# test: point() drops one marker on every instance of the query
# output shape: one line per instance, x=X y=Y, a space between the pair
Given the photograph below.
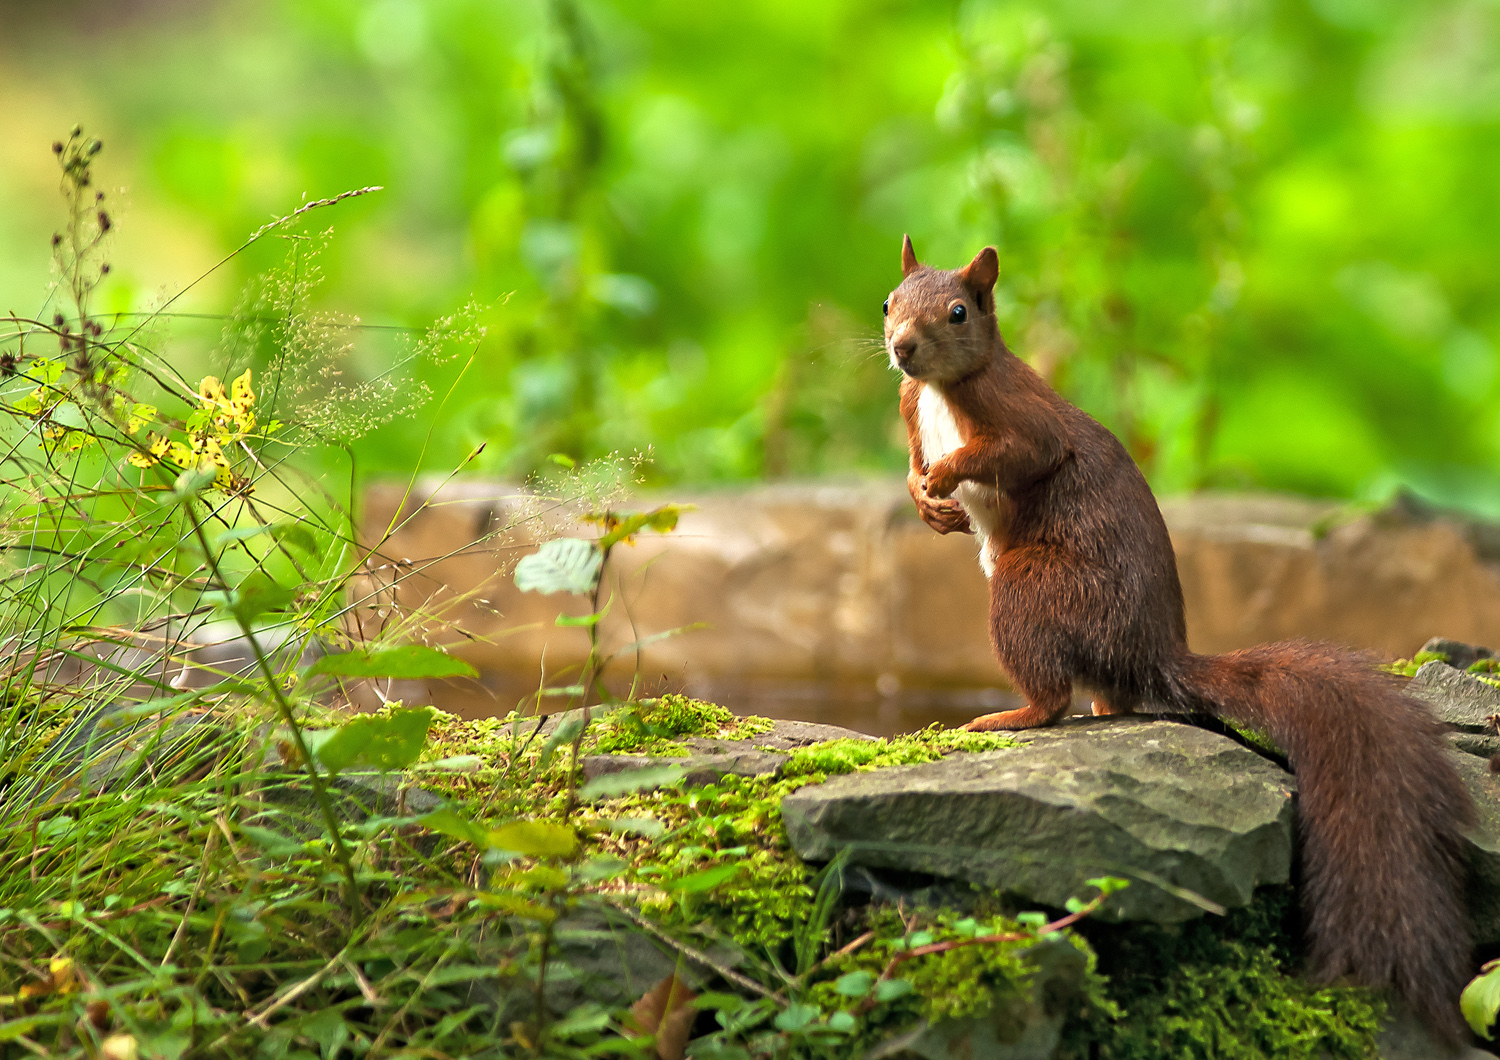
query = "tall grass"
x=179 y=879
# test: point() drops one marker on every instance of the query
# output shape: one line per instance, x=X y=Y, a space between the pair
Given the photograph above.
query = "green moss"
x=1409 y=667
x=1259 y=739
x=652 y=726
x=737 y=821
x=928 y=745
x=1220 y=989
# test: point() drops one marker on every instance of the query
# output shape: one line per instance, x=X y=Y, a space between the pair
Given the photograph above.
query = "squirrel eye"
x=885 y=307
x=958 y=314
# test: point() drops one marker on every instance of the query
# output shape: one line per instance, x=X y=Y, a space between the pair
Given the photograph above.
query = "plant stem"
x=320 y=790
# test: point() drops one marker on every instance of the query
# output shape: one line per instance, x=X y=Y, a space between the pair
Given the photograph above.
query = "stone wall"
x=841 y=582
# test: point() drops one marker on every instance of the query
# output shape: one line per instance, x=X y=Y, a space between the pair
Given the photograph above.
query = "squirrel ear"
x=980 y=274
x=908 y=257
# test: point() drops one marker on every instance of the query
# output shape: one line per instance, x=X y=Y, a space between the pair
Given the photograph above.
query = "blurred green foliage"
x=1256 y=238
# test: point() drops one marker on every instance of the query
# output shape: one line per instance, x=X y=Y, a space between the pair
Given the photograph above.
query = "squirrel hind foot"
x=1102 y=707
x=1027 y=717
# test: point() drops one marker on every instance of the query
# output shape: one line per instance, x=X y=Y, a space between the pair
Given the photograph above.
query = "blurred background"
x=1256 y=238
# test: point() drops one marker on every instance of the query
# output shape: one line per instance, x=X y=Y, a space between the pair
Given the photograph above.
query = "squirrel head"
x=940 y=323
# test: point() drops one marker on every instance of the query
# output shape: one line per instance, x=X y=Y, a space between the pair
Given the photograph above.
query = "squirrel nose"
x=903 y=349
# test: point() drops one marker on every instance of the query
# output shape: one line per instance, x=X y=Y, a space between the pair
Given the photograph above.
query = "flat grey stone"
x=1179 y=811
x=1483 y=891
x=293 y=810
x=1457 y=698
x=608 y=961
x=1461 y=656
x=1471 y=743
x=1404 y=1038
x=784 y=736
x=701 y=769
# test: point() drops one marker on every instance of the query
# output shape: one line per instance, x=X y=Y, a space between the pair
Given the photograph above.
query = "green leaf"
x=515 y=905
x=295 y=534
x=1032 y=920
x=258 y=594
x=649 y=827
x=383 y=743
x=566 y=732
x=455 y=764
x=410 y=661
x=190 y=483
x=588 y=1018
x=328 y=1029
x=630 y=781
x=1480 y=1001
x=535 y=839
x=450 y=822
x=601 y=867
x=579 y=620
x=270 y=840
x=844 y=1022
x=729 y=1003
x=854 y=984
x=1108 y=884
x=702 y=881
x=459 y=973
x=562 y=460
x=626 y=525
x=796 y=1016
x=891 y=989
x=12 y=1029
x=563 y=565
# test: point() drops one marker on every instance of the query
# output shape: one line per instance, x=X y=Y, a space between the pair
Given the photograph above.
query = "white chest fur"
x=939 y=434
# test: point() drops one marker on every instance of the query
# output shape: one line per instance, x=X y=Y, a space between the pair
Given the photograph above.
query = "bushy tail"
x=1381 y=811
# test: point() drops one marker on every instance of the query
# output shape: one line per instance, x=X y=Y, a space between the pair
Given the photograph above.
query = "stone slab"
x=1483 y=892
x=700 y=769
x=1178 y=810
x=1461 y=656
x=1457 y=698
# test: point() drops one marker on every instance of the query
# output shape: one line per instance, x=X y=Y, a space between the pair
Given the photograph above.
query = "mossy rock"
x=1193 y=819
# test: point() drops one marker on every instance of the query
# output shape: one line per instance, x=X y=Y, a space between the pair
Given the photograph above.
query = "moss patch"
x=1220 y=988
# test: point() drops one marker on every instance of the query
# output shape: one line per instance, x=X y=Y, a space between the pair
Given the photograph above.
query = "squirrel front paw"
x=944 y=516
x=940 y=480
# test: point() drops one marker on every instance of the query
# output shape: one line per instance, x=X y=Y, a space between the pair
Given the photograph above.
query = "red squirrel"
x=1083 y=587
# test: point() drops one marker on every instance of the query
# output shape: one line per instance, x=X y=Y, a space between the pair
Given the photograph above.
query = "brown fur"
x=1085 y=588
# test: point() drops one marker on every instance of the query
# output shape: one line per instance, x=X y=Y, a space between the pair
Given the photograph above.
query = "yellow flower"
x=139 y=417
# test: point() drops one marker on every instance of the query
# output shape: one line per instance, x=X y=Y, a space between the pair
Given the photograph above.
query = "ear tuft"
x=980 y=274
x=908 y=257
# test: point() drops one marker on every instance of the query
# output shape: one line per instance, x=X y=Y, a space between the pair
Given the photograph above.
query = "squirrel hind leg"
x=1042 y=709
x=1114 y=704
